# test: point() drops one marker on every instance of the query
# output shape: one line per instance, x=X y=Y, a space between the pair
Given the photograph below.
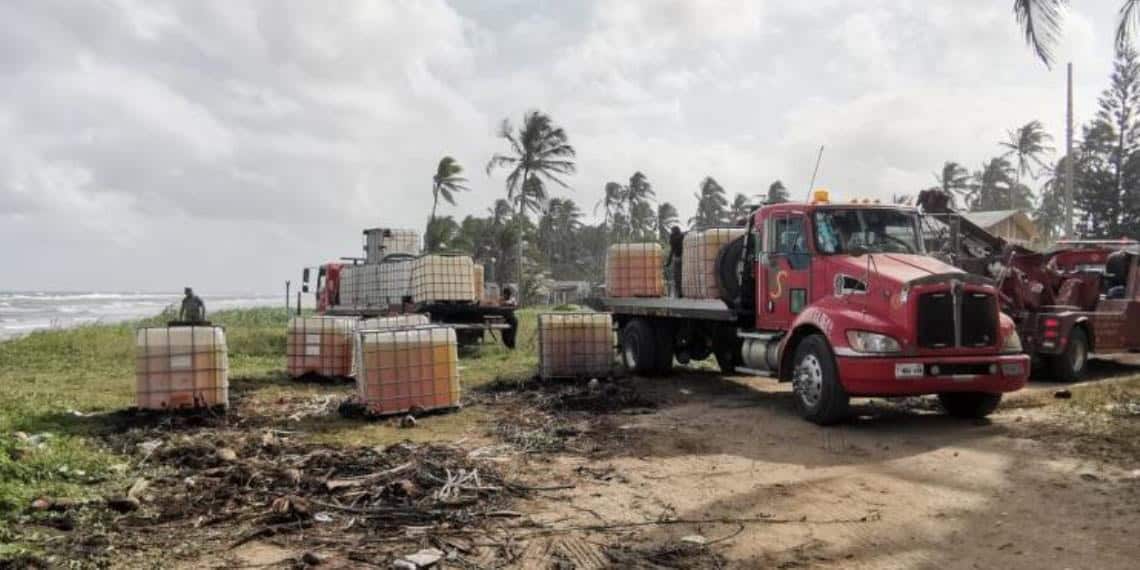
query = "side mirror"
x=857 y=251
x=305 y=278
x=305 y=288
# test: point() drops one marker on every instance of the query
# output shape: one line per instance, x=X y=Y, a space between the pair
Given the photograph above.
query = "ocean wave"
x=22 y=312
x=58 y=297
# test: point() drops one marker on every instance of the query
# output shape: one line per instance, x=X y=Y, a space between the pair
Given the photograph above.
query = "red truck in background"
x=841 y=301
x=1079 y=299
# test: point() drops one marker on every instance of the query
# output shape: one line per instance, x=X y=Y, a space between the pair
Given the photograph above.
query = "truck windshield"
x=874 y=230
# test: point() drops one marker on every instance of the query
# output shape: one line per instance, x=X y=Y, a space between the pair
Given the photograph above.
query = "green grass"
x=51 y=377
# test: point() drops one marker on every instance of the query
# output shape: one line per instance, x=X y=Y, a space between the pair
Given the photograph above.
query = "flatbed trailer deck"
x=669 y=307
x=469 y=320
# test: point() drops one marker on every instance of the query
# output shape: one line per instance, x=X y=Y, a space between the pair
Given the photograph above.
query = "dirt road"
x=689 y=471
x=899 y=487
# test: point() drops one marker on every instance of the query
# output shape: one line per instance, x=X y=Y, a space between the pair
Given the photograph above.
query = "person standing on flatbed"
x=676 y=249
x=193 y=309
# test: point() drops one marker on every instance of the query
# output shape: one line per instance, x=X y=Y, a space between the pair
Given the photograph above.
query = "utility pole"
x=1069 y=159
x=287 y=296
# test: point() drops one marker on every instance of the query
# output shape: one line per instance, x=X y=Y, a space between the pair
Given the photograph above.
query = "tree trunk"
x=522 y=205
x=1016 y=184
x=427 y=234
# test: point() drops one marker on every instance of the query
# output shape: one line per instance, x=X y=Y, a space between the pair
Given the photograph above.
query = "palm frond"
x=1040 y=21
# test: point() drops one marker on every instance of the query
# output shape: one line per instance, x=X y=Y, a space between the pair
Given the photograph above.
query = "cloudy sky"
x=147 y=144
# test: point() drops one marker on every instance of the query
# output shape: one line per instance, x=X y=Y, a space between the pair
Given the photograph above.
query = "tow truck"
x=841 y=301
x=1078 y=299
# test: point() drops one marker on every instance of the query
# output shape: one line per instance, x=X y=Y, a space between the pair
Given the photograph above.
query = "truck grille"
x=979 y=328
x=974 y=325
x=936 y=320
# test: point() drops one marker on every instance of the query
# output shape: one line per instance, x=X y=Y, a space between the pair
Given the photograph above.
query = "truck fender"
x=789 y=344
x=829 y=318
x=1082 y=322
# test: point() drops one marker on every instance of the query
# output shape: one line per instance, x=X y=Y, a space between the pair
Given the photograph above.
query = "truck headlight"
x=872 y=343
x=1011 y=344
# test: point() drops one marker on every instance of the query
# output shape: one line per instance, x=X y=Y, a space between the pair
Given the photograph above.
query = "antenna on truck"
x=811 y=184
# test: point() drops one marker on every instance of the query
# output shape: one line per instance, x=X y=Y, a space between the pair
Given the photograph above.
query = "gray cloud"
x=144 y=144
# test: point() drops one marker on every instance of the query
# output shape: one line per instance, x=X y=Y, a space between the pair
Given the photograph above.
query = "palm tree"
x=445 y=183
x=1041 y=23
x=642 y=224
x=954 y=179
x=711 y=204
x=992 y=186
x=500 y=211
x=666 y=219
x=1050 y=215
x=539 y=151
x=611 y=202
x=739 y=207
x=1026 y=145
x=442 y=232
x=777 y=193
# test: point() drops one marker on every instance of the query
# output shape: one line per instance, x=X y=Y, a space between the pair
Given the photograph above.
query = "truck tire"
x=727 y=353
x=727 y=262
x=639 y=344
x=969 y=404
x=1069 y=366
x=819 y=396
x=665 y=352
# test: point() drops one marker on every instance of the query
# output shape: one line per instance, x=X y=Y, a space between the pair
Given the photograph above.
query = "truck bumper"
x=901 y=376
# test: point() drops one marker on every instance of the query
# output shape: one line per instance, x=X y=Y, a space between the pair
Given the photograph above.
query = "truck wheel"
x=726 y=362
x=820 y=397
x=639 y=345
x=1069 y=366
x=665 y=353
x=969 y=404
x=728 y=354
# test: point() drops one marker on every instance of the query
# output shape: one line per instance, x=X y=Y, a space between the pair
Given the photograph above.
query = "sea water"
x=22 y=312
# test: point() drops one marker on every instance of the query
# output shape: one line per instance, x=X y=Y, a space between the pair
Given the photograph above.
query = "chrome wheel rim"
x=630 y=359
x=807 y=380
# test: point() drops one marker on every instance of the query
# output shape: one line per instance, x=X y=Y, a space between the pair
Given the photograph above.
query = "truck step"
x=765 y=336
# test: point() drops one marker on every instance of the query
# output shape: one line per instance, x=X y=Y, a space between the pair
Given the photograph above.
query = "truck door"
x=785 y=271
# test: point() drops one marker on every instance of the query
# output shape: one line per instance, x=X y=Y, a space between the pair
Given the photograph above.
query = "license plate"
x=909 y=370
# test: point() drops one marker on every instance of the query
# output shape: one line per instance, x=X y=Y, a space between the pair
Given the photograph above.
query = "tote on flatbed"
x=699 y=276
x=634 y=270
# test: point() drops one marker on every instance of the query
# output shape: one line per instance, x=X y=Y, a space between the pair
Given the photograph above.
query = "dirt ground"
x=689 y=471
x=896 y=488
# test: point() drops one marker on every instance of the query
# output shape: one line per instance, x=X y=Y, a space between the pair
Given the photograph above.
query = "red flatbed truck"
x=841 y=301
x=471 y=321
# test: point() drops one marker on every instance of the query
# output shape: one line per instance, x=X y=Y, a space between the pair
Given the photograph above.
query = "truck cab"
x=841 y=300
x=327 y=285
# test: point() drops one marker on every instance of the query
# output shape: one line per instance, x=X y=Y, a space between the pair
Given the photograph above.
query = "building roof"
x=987 y=220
